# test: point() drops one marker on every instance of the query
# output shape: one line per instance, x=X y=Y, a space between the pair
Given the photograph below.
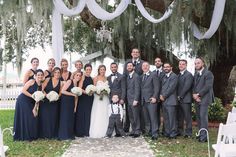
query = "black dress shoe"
x=117 y=135
x=131 y=134
x=172 y=137
x=187 y=136
x=136 y=135
x=154 y=138
x=202 y=140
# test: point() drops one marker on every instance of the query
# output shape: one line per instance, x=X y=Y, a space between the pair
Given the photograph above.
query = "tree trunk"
x=222 y=87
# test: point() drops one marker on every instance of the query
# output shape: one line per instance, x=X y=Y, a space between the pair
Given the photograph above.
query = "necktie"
x=158 y=72
x=144 y=77
x=198 y=76
x=135 y=63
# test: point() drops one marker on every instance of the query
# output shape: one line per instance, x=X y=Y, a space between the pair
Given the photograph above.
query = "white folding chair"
x=2 y=149
x=226 y=141
x=234 y=110
x=231 y=118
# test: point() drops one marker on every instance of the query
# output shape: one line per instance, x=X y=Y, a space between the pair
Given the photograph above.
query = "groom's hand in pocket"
x=135 y=103
x=121 y=101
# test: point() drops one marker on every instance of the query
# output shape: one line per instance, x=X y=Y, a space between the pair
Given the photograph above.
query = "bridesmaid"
x=82 y=120
x=51 y=65
x=49 y=111
x=66 y=75
x=30 y=73
x=67 y=109
x=25 y=124
x=78 y=66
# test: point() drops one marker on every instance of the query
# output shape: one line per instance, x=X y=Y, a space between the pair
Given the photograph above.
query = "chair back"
x=234 y=110
x=231 y=118
x=227 y=134
x=2 y=152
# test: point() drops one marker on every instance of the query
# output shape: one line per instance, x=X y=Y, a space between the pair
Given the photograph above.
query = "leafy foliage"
x=216 y=111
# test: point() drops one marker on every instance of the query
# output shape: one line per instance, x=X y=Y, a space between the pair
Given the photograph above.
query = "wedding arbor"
x=176 y=29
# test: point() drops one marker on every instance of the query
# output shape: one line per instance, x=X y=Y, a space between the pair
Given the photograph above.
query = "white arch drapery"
x=61 y=9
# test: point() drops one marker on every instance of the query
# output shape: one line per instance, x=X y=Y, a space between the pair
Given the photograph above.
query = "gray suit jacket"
x=118 y=86
x=168 y=89
x=160 y=76
x=184 y=87
x=133 y=88
x=204 y=86
x=150 y=87
x=138 y=67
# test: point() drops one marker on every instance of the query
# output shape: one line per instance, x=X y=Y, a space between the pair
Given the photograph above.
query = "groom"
x=117 y=85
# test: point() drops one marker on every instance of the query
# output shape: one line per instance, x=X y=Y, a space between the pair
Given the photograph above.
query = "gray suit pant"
x=169 y=115
x=150 y=118
x=202 y=118
x=184 y=111
x=134 y=117
x=115 y=122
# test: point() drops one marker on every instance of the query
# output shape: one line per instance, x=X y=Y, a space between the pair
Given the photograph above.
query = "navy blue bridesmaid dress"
x=49 y=74
x=49 y=114
x=66 y=122
x=69 y=76
x=83 y=112
x=32 y=76
x=25 y=124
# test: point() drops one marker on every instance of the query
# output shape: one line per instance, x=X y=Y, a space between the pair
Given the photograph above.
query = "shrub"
x=233 y=104
x=216 y=111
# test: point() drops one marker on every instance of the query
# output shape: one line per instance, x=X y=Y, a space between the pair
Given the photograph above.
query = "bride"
x=99 y=113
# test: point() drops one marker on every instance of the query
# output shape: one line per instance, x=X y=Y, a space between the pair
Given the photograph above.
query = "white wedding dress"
x=99 y=114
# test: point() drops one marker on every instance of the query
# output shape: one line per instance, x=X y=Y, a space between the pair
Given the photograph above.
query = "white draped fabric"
x=60 y=8
x=215 y=21
x=144 y=12
x=57 y=31
x=102 y=14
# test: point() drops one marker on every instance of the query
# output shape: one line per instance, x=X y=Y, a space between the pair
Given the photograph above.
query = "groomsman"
x=184 y=93
x=168 y=97
x=203 y=95
x=117 y=83
x=133 y=97
x=160 y=74
x=150 y=87
x=136 y=60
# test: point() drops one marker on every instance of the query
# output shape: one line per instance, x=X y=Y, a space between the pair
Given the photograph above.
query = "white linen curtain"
x=215 y=21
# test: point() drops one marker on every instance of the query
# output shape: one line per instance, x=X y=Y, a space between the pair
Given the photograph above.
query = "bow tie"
x=113 y=74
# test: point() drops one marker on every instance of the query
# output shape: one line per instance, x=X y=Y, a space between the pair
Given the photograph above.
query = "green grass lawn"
x=179 y=147
x=182 y=147
x=39 y=148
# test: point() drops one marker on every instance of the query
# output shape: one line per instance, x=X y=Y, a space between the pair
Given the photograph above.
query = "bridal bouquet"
x=52 y=96
x=103 y=90
x=77 y=91
x=90 y=89
x=38 y=96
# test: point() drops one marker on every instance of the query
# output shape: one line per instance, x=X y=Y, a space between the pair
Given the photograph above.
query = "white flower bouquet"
x=103 y=90
x=38 y=96
x=77 y=91
x=90 y=89
x=52 y=96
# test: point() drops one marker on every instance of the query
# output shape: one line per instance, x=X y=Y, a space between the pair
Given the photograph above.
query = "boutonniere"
x=148 y=73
